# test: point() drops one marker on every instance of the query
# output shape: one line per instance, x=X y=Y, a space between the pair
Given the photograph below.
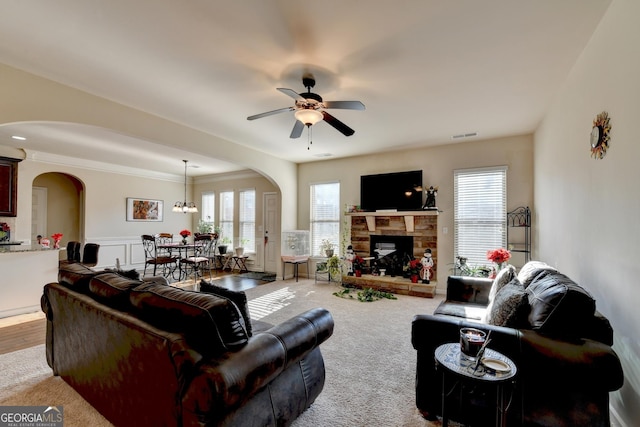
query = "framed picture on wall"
x=144 y=209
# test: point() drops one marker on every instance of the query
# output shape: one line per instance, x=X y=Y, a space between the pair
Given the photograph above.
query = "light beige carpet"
x=369 y=360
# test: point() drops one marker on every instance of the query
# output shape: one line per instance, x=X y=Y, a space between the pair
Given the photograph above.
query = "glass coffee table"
x=458 y=371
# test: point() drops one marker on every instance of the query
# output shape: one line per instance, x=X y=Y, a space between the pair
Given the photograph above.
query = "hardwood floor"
x=26 y=331
x=22 y=335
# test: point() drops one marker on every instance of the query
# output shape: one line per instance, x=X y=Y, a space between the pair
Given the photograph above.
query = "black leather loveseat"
x=148 y=354
x=548 y=326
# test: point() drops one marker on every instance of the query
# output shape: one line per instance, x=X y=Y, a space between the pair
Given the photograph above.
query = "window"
x=247 y=219
x=226 y=216
x=208 y=207
x=325 y=216
x=480 y=208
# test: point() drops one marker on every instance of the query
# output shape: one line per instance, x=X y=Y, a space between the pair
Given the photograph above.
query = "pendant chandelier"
x=183 y=206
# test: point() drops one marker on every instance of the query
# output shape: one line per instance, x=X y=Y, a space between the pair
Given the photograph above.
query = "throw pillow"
x=211 y=324
x=503 y=277
x=239 y=298
x=532 y=271
x=506 y=275
x=510 y=307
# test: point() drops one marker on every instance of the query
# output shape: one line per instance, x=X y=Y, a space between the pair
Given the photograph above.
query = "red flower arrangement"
x=499 y=256
x=56 y=237
x=358 y=262
x=414 y=266
x=185 y=233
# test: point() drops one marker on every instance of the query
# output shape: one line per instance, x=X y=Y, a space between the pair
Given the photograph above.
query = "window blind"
x=247 y=219
x=480 y=207
x=208 y=207
x=325 y=216
x=226 y=215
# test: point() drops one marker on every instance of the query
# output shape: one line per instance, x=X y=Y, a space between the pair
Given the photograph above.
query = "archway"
x=58 y=207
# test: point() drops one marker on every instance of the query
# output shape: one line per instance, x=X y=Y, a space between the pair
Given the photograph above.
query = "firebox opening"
x=391 y=252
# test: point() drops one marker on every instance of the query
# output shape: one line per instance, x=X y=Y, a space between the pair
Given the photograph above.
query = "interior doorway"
x=57 y=207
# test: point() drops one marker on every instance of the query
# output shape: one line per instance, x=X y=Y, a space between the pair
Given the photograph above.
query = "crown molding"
x=55 y=159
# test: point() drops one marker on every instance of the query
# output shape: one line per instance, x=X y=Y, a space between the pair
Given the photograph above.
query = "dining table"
x=182 y=250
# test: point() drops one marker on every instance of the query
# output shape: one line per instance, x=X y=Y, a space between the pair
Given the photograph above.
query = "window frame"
x=318 y=219
x=482 y=227
x=250 y=233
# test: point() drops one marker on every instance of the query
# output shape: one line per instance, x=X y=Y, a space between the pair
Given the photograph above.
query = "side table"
x=295 y=263
x=456 y=368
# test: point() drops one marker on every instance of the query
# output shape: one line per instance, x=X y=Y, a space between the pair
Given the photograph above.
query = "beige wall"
x=587 y=209
x=437 y=165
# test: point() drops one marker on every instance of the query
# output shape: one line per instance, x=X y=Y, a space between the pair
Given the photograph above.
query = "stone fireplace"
x=407 y=232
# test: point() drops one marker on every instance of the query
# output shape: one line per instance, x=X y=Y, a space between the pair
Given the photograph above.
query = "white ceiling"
x=425 y=69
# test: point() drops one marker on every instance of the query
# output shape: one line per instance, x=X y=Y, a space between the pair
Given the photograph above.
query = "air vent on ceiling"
x=464 y=135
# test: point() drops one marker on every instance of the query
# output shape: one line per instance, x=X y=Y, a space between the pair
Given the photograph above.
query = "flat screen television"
x=391 y=191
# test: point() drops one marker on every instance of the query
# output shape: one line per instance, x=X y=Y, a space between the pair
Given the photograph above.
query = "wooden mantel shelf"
x=408 y=217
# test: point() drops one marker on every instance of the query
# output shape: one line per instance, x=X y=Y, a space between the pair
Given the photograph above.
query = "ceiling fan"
x=310 y=109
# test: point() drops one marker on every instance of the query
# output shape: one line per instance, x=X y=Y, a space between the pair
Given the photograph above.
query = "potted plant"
x=222 y=248
x=240 y=249
x=204 y=227
x=335 y=268
x=413 y=268
x=327 y=247
x=358 y=265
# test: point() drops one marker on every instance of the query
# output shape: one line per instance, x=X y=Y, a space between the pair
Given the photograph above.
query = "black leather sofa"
x=147 y=354
x=559 y=342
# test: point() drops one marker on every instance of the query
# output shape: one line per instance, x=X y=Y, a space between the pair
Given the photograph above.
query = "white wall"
x=587 y=209
x=437 y=165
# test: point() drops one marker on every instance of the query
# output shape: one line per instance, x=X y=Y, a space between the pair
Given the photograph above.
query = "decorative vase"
x=414 y=278
x=358 y=273
x=328 y=253
x=56 y=244
x=184 y=241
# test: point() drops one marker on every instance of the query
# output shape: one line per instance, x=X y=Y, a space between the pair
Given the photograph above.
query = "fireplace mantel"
x=408 y=217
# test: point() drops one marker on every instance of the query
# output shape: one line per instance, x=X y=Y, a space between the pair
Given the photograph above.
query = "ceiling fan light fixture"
x=308 y=116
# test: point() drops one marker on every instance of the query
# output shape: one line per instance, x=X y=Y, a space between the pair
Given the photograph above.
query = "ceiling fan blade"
x=345 y=105
x=292 y=93
x=270 y=113
x=297 y=129
x=340 y=127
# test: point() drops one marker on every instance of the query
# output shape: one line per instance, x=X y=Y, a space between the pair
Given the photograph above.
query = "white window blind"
x=247 y=219
x=226 y=215
x=208 y=207
x=480 y=208
x=325 y=216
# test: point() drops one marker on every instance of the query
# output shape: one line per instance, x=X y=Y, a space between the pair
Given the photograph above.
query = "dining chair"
x=201 y=258
x=163 y=239
x=152 y=257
